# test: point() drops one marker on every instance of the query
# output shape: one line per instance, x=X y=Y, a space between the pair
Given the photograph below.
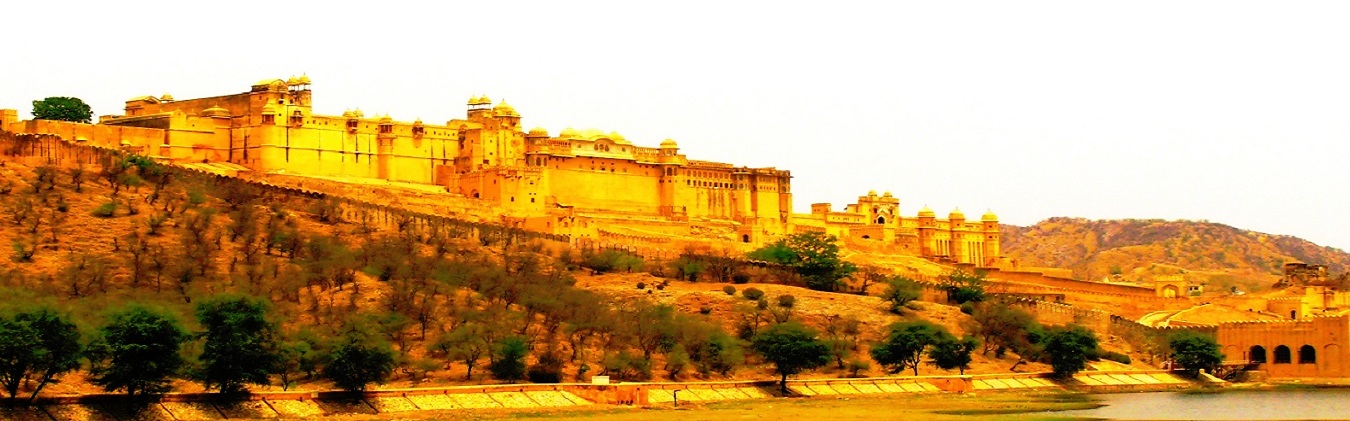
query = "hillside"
x=1140 y=249
x=329 y=270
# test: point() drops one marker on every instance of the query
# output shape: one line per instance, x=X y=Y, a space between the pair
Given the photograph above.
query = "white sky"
x=1233 y=112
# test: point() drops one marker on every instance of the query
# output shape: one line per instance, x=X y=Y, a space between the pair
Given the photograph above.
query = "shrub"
x=23 y=253
x=786 y=301
x=549 y=369
x=705 y=310
x=508 y=362
x=900 y=291
x=641 y=285
x=612 y=261
x=740 y=278
x=730 y=290
x=968 y=308
x=1115 y=356
x=752 y=293
x=857 y=365
x=106 y=210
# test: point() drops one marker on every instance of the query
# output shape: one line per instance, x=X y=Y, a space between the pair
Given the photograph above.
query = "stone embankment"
x=301 y=405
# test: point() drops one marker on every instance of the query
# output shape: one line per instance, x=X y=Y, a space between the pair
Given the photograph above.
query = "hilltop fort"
x=581 y=183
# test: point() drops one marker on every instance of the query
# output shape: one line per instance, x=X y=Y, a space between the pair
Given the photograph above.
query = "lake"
x=1284 y=404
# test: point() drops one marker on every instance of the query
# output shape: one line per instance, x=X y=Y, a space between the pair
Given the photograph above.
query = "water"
x=1303 y=404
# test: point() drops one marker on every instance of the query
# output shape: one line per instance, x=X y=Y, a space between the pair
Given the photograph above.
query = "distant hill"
x=1140 y=249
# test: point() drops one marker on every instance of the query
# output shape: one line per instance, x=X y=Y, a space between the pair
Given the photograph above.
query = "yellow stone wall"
x=877 y=218
x=271 y=128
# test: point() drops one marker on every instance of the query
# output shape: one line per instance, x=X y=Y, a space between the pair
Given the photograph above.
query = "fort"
x=594 y=188
x=572 y=183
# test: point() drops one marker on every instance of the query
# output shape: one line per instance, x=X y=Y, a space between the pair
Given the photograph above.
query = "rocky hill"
x=1140 y=249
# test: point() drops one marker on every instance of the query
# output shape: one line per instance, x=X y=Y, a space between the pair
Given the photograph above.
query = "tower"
x=927 y=227
x=989 y=223
x=958 y=227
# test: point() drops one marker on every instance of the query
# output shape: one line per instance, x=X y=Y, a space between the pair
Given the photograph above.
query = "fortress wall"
x=1073 y=284
x=584 y=188
x=1326 y=337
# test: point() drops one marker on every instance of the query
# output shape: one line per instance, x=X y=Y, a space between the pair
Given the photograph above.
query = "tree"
x=905 y=345
x=965 y=287
x=62 y=108
x=1003 y=328
x=1195 y=351
x=1069 y=348
x=792 y=348
x=37 y=344
x=900 y=291
x=508 y=361
x=466 y=343
x=137 y=350
x=241 y=344
x=950 y=352
x=359 y=357
x=813 y=255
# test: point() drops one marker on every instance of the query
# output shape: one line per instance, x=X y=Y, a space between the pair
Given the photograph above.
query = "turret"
x=992 y=250
x=927 y=225
x=958 y=226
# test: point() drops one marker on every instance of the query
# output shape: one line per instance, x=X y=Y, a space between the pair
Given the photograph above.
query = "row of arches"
x=1306 y=355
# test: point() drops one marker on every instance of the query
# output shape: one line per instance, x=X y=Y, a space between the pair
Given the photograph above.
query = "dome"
x=269 y=109
x=871 y=192
x=887 y=194
x=927 y=212
x=347 y=113
x=956 y=214
x=417 y=122
x=166 y=97
x=568 y=133
x=538 y=132
x=989 y=216
x=504 y=109
x=215 y=111
x=618 y=138
x=669 y=144
x=292 y=81
x=473 y=100
x=304 y=79
x=386 y=119
x=358 y=114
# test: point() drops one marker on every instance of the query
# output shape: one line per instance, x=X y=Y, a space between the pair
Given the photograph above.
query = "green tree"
x=900 y=291
x=508 y=359
x=62 y=108
x=241 y=343
x=1002 y=328
x=467 y=343
x=359 y=357
x=813 y=255
x=965 y=287
x=1069 y=348
x=137 y=350
x=905 y=345
x=1194 y=351
x=950 y=352
x=37 y=344
x=792 y=348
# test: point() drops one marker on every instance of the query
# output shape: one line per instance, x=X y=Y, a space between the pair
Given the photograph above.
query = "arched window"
x=1257 y=354
x=1307 y=355
x=881 y=220
x=1282 y=355
x=745 y=238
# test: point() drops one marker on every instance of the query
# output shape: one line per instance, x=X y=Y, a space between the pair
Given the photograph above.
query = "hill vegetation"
x=1140 y=249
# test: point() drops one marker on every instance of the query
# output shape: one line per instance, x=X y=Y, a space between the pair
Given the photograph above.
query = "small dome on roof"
x=927 y=212
x=269 y=109
x=618 y=138
x=347 y=113
x=956 y=214
x=569 y=133
x=871 y=192
x=669 y=144
x=538 y=132
x=504 y=109
x=887 y=194
x=292 y=81
x=473 y=100
x=989 y=216
x=358 y=114
x=304 y=79
x=386 y=119
x=166 y=97
x=484 y=100
x=417 y=122
x=215 y=111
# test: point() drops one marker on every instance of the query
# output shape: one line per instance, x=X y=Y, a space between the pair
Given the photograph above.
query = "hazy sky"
x=1233 y=112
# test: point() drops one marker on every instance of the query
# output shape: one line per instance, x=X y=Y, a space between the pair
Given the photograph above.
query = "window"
x=1282 y=355
x=1307 y=355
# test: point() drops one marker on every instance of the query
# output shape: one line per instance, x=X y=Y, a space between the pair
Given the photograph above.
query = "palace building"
x=574 y=182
